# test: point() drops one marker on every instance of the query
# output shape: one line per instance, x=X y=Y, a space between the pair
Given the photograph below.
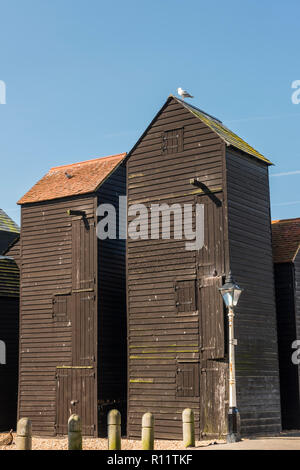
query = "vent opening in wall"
x=187 y=380
x=61 y=307
x=185 y=296
x=172 y=141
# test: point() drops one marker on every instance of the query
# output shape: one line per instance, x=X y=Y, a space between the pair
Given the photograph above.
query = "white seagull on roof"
x=183 y=93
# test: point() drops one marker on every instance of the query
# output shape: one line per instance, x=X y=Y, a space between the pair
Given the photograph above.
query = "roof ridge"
x=197 y=109
x=88 y=161
x=224 y=132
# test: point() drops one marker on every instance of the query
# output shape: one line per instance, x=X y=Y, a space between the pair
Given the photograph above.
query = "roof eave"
x=263 y=160
x=296 y=254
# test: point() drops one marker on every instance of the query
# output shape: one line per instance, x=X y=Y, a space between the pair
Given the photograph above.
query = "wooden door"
x=212 y=321
x=84 y=319
x=213 y=399
x=77 y=383
x=75 y=393
x=211 y=258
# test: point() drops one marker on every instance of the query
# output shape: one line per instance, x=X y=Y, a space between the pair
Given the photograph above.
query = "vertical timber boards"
x=46 y=270
x=258 y=395
x=162 y=341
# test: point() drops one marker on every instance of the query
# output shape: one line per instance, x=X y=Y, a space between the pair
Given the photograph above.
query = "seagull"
x=68 y=175
x=183 y=93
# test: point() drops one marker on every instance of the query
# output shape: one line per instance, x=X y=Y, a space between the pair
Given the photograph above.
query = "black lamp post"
x=231 y=293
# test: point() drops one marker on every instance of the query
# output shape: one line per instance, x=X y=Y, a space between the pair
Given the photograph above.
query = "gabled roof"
x=9 y=277
x=286 y=240
x=7 y=224
x=229 y=137
x=71 y=180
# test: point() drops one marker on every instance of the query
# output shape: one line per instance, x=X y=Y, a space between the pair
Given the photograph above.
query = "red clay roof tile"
x=74 y=179
x=286 y=240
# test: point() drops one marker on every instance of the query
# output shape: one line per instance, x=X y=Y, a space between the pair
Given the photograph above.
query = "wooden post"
x=74 y=433
x=114 y=430
x=188 y=425
x=148 y=431
x=24 y=431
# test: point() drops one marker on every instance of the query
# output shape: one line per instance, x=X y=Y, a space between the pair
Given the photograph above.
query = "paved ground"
x=286 y=441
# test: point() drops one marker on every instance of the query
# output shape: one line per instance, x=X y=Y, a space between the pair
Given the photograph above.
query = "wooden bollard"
x=188 y=425
x=24 y=431
x=148 y=431
x=74 y=433
x=114 y=430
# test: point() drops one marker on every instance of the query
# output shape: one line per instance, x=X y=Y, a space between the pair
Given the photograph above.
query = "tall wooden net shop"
x=82 y=350
x=177 y=344
x=73 y=317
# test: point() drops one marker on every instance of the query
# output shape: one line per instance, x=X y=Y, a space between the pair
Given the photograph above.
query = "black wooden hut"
x=177 y=343
x=286 y=253
x=9 y=342
x=72 y=304
x=9 y=231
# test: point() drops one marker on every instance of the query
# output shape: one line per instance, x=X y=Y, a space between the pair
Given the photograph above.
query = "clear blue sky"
x=84 y=78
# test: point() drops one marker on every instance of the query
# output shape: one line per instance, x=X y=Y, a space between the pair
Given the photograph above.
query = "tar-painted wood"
x=285 y=282
x=72 y=299
x=168 y=338
x=112 y=325
x=9 y=334
x=13 y=251
x=251 y=263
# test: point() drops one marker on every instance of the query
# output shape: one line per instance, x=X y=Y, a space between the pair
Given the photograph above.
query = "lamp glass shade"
x=231 y=293
x=236 y=294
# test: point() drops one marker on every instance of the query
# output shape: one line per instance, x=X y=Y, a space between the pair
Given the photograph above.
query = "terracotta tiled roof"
x=70 y=180
x=286 y=240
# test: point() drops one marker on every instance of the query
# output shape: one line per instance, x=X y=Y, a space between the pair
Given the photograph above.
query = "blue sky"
x=84 y=78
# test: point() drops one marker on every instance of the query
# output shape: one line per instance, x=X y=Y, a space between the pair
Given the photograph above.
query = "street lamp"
x=231 y=292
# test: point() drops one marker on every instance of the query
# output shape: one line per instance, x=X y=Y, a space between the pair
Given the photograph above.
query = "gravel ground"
x=39 y=443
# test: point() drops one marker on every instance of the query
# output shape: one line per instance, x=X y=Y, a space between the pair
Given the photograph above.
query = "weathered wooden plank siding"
x=6 y=238
x=160 y=340
x=14 y=252
x=252 y=267
x=112 y=324
x=287 y=334
x=9 y=329
x=46 y=246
